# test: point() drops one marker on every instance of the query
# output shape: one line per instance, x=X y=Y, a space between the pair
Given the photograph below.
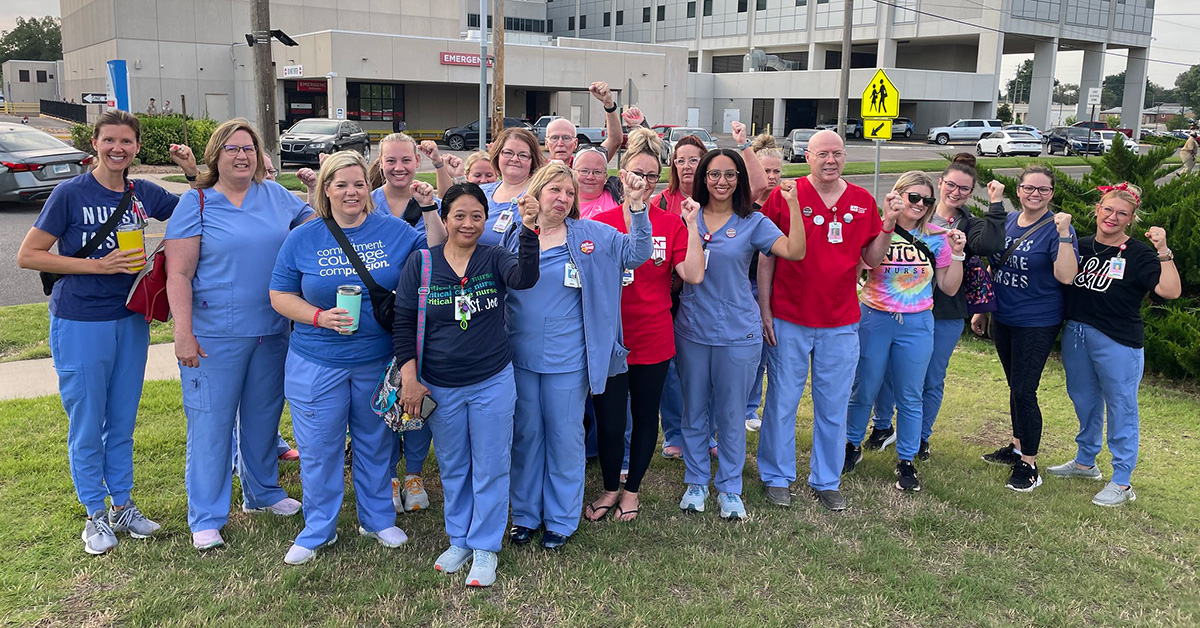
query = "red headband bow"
x=1122 y=187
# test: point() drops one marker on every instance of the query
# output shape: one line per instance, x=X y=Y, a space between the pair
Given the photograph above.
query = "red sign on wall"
x=463 y=58
x=311 y=86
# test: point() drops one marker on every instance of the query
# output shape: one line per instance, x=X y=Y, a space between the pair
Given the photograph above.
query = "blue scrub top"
x=721 y=310
x=381 y=207
x=490 y=235
x=312 y=265
x=238 y=246
x=546 y=321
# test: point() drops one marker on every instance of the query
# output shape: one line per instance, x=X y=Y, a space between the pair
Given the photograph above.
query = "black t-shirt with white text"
x=1113 y=306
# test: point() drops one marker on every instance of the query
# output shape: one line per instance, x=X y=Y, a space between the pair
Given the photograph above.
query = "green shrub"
x=158 y=133
x=1166 y=141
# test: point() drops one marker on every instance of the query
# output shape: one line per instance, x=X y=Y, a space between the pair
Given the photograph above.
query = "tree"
x=1018 y=88
x=1066 y=93
x=1004 y=113
x=32 y=39
x=1187 y=87
x=1114 y=90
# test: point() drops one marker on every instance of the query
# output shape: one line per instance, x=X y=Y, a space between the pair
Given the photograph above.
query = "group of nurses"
x=221 y=245
x=566 y=338
x=515 y=156
x=98 y=345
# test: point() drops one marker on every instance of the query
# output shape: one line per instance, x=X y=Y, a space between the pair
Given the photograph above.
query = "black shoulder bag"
x=918 y=243
x=49 y=279
x=383 y=301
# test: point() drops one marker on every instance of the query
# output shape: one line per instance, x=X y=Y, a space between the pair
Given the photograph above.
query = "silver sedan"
x=32 y=162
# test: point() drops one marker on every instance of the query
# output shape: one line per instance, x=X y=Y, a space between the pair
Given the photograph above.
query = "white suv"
x=968 y=130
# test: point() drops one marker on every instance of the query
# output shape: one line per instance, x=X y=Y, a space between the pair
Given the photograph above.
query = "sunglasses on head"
x=914 y=197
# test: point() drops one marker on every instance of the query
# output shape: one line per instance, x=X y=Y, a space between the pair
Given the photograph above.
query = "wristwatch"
x=743 y=146
x=611 y=109
x=190 y=177
x=1168 y=256
x=1066 y=239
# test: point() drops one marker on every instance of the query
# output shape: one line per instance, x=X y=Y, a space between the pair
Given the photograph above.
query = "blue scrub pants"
x=670 y=409
x=325 y=402
x=101 y=366
x=1102 y=378
x=832 y=353
x=714 y=381
x=756 y=386
x=547 y=450
x=239 y=385
x=473 y=435
x=946 y=334
x=415 y=444
x=901 y=342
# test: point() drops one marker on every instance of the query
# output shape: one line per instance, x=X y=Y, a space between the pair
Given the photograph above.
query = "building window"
x=691 y=9
x=742 y=6
x=693 y=64
x=374 y=101
x=662 y=13
x=582 y=22
x=645 y=14
x=41 y=76
x=707 y=8
x=571 y=23
x=801 y=3
x=550 y=26
x=23 y=76
x=620 y=18
x=761 y=6
x=607 y=19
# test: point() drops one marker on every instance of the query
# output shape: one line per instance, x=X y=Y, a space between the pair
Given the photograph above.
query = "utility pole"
x=844 y=95
x=483 y=14
x=498 y=68
x=264 y=76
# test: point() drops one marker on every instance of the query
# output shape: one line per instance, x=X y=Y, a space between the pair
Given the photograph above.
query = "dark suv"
x=467 y=135
x=1074 y=140
x=307 y=139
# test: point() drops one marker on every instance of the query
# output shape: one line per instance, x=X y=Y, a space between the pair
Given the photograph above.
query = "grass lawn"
x=25 y=332
x=964 y=551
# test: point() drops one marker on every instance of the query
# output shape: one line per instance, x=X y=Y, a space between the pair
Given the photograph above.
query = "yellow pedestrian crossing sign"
x=881 y=99
x=877 y=128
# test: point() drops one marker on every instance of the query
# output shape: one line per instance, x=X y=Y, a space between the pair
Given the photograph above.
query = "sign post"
x=880 y=105
x=1095 y=95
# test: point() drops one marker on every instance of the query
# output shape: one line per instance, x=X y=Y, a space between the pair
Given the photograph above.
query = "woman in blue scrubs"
x=515 y=156
x=718 y=332
x=221 y=246
x=332 y=369
x=565 y=332
x=98 y=345
x=466 y=367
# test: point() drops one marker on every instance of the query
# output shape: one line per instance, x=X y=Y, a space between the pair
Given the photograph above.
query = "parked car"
x=853 y=126
x=585 y=134
x=1097 y=125
x=903 y=127
x=1144 y=132
x=795 y=145
x=33 y=162
x=972 y=129
x=661 y=129
x=1108 y=135
x=1027 y=128
x=680 y=132
x=308 y=138
x=467 y=135
x=1074 y=140
x=1003 y=143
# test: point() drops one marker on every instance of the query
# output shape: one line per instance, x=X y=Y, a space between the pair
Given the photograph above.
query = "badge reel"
x=571 y=278
x=626 y=277
x=835 y=232
x=504 y=221
x=462 y=307
x=1116 y=268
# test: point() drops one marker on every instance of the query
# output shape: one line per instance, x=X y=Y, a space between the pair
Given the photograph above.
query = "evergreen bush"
x=158 y=133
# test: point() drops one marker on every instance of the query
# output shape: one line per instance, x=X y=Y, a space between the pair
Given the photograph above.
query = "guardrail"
x=21 y=108
x=65 y=111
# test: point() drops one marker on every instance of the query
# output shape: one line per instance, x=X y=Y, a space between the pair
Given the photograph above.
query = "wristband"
x=958 y=258
x=612 y=109
x=428 y=208
x=439 y=164
x=892 y=230
x=637 y=211
x=743 y=146
x=1065 y=239
x=191 y=178
x=317 y=315
x=1166 y=257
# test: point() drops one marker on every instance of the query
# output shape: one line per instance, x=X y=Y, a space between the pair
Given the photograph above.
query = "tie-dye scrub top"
x=903 y=282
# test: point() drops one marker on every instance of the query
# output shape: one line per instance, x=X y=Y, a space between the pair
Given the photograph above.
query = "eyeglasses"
x=272 y=172
x=837 y=154
x=954 y=187
x=559 y=138
x=508 y=154
x=233 y=149
x=927 y=201
x=715 y=175
x=1030 y=189
x=687 y=162
x=650 y=177
x=591 y=173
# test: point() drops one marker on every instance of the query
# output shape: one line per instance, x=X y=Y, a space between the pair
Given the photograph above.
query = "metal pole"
x=498 y=68
x=483 y=73
x=264 y=76
x=844 y=94
x=878 y=150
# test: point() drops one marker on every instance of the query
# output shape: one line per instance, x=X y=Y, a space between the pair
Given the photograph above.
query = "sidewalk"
x=35 y=378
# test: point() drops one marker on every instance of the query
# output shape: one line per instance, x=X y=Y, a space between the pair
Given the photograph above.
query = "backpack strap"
x=422 y=303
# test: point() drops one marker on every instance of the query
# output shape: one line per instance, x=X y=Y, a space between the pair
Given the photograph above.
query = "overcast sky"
x=1176 y=22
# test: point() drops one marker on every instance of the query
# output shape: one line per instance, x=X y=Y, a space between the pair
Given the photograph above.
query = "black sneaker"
x=907 y=475
x=1024 y=477
x=923 y=451
x=1006 y=455
x=880 y=439
x=854 y=456
x=830 y=499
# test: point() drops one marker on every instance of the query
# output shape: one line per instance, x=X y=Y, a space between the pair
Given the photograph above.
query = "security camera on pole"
x=880 y=105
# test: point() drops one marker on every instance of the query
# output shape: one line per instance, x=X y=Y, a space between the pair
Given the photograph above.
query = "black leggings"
x=1023 y=353
x=641 y=388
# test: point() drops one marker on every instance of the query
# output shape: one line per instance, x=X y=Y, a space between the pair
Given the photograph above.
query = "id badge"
x=462 y=308
x=1116 y=268
x=503 y=222
x=706 y=259
x=835 y=232
x=627 y=277
x=571 y=278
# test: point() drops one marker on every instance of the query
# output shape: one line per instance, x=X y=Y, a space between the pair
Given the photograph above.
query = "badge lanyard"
x=462 y=305
x=1116 y=265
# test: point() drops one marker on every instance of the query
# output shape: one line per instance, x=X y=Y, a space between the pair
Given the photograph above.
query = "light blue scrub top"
x=721 y=311
x=238 y=246
x=381 y=207
x=490 y=235
x=546 y=321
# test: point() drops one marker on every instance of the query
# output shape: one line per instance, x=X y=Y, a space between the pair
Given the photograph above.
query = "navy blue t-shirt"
x=1027 y=294
x=74 y=212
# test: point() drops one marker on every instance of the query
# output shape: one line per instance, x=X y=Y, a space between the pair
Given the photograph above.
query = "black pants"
x=640 y=388
x=1023 y=352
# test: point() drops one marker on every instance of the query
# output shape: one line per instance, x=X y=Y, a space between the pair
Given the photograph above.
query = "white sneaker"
x=285 y=507
x=207 y=539
x=415 y=497
x=388 y=537
x=452 y=559
x=1113 y=495
x=98 y=537
x=297 y=555
x=1071 y=469
x=753 y=425
x=483 y=569
x=397 y=496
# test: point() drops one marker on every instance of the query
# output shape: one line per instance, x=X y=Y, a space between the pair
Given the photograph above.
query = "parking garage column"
x=1135 y=89
x=1093 y=76
x=886 y=52
x=1041 y=92
x=777 y=124
x=337 y=95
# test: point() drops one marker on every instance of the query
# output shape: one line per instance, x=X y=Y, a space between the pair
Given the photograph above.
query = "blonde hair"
x=375 y=178
x=641 y=141
x=1129 y=193
x=337 y=161
x=764 y=147
x=517 y=133
x=216 y=144
x=549 y=173
x=911 y=179
x=473 y=159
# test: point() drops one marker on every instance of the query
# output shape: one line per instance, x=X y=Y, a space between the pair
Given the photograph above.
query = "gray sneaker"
x=1113 y=495
x=779 y=495
x=1070 y=469
x=130 y=519
x=98 y=537
x=831 y=499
